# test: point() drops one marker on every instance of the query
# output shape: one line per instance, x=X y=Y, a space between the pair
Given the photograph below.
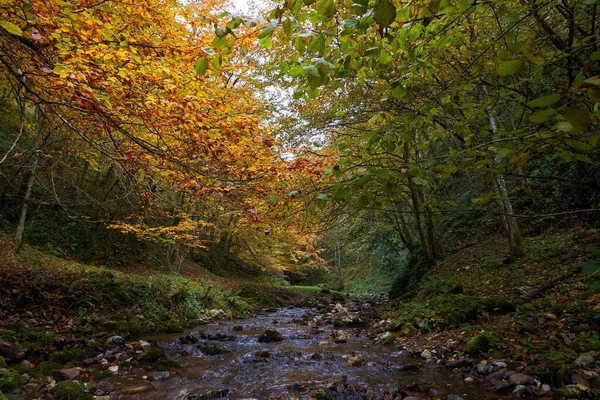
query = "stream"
x=306 y=361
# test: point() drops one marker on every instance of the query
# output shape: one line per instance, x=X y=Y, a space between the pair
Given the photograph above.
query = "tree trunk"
x=21 y=225
x=423 y=237
x=511 y=225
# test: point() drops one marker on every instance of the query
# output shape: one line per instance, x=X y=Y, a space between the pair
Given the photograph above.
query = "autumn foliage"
x=147 y=89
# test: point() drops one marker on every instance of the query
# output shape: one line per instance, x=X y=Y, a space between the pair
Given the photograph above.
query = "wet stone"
x=159 y=376
x=518 y=379
x=105 y=387
x=66 y=374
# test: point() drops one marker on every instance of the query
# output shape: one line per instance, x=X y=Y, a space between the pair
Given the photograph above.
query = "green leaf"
x=273 y=199
x=589 y=267
x=11 y=28
x=312 y=70
x=362 y=200
x=508 y=68
x=542 y=116
x=216 y=62
x=595 y=56
x=326 y=8
x=267 y=30
x=360 y=6
x=266 y=42
x=579 y=118
x=544 y=101
x=419 y=181
x=297 y=71
x=317 y=45
x=463 y=5
x=563 y=126
x=219 y=43
x=201 y=65
x=234 y=23
x=398 y=92
x=385 y=13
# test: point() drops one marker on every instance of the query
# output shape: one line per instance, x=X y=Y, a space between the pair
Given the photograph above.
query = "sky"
x=241 y=5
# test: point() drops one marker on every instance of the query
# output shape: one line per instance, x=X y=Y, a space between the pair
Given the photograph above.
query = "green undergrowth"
x=42 y=297
x=476 y=290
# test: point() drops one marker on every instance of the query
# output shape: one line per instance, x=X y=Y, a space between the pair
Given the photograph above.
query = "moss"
x=2 y=362
x=174 y=327
x=66 y=356
x=164 y=364
x=152 y=354
x=9 y=380
x=135 y=328
x=565 y=374
x=22 y=368
x=478 y=344
x=451 y=311
x=71 y=391
x=498 y=305
x=46 y=368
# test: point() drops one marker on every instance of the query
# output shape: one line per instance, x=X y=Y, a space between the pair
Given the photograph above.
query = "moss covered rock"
x=65 y=356
x=164 y=364
x=478 y=344
x=9 y=380
x=151 y=354
x=71 y=391
x=46 y=368
x=451 y=311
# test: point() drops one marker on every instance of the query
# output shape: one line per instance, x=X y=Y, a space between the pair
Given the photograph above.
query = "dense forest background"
x=388 y=133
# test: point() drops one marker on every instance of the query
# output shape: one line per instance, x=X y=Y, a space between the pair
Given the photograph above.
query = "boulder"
x=339 y=337
x=387 y=338
x=355 y=361
x=159 y=376
x=409 y=330
x=10 y=352
x=105 y=387
x=410 y=367
x=209 y=349
x=573 y=392
x=270 y=336
x=69 y=374
x=115 y=342
x=70 y=391
x=426 y=354
x=584 y=361
x=152 y=354
x=518 y=379
x=478 y=344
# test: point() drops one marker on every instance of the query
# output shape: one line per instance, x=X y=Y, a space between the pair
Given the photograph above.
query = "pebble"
x=426 y=354
x=546 y=388
x=468 y=379
x=519 y=389
x=518 y=379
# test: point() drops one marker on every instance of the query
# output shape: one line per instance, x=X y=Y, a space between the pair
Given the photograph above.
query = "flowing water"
x=291 y=368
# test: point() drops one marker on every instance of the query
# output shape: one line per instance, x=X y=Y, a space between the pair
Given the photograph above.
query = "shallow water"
x=288 y=368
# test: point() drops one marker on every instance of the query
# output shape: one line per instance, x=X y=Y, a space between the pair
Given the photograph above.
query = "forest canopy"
x=156 y=122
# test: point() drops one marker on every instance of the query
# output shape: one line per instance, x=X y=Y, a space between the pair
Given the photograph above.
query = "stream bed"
x=226 y=360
